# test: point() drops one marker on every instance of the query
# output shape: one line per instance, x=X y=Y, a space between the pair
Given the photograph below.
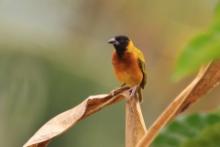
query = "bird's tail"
x=140 y=94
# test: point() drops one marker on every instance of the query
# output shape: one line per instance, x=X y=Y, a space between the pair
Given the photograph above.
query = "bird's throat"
x=120 y=51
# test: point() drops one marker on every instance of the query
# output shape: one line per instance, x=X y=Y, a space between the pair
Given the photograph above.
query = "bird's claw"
x=133 y=91
x=112 y=93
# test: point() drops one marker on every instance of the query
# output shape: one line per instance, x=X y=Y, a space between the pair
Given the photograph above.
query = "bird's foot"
x=133 y=91
x=112 y=93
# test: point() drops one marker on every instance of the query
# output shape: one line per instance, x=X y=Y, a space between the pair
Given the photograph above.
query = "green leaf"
x=203 y=48
x=186 y=131
x=209 y=137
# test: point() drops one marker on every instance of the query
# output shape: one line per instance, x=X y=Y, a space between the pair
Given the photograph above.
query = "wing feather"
x=141 y=63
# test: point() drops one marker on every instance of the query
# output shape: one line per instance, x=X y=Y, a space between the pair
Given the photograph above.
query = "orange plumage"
x=127 y=69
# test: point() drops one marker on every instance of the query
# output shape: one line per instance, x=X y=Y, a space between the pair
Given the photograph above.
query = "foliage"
x=196 y=130
x=203 y=48
x=208 y=137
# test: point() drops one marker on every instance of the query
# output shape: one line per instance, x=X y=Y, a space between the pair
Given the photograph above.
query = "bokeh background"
x=54 y=53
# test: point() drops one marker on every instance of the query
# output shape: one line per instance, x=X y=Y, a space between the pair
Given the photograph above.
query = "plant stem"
x=134 y=126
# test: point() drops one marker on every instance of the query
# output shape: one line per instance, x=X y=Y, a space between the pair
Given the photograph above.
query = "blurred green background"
x=53 y=54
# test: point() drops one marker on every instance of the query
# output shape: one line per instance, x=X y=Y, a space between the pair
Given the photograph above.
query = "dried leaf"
x=135 y=126
x=207 y=79
x=64 y=121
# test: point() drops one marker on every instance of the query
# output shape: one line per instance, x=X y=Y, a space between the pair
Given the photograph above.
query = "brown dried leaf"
x=64 y=121
x=207 y=79
x=135 y=126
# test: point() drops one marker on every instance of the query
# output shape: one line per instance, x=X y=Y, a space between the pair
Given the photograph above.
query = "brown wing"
x=142 y=67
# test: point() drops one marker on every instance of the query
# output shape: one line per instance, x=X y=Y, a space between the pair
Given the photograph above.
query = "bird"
x=129 y=64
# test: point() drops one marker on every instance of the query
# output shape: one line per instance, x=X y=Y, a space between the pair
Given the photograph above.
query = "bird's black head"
x=120 y=43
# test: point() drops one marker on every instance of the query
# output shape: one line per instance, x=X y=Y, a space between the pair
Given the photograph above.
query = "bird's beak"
x=112 y=41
